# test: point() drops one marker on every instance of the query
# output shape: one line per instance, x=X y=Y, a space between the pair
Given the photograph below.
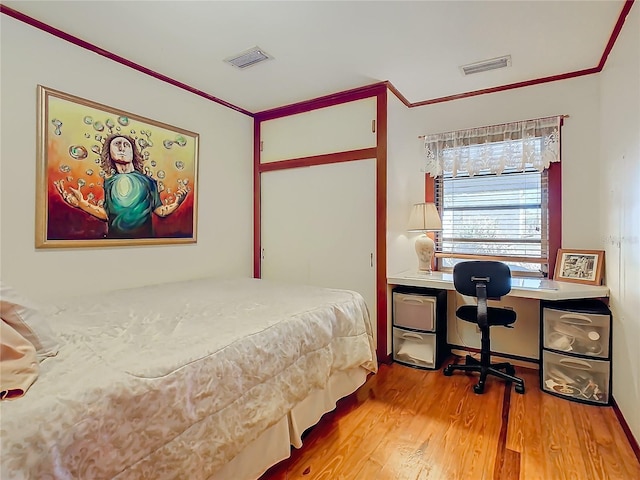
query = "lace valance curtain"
x=514 y=146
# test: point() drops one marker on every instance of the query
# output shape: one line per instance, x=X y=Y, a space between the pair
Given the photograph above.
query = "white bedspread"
x=173 y=380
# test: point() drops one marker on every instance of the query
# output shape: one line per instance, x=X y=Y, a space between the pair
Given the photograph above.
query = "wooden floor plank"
x=399 y=444
x=562 y=440
x=412 y=424
x=535 y=462
x=510 y=468
x=518 y=415
x=600 y=446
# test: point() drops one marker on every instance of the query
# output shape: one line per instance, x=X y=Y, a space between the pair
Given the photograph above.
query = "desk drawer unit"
x=414 y=311
x=576 y=350
x=419 y=327
x=414 y=348
x=579 y=333
x=576 y=378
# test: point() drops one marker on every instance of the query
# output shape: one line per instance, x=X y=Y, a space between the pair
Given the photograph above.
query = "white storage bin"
x=576 y=378
x=577 y=333
x=414 y=348
x=414 y=311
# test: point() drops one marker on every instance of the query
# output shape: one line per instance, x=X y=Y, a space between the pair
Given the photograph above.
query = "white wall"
x=580 y=158
x=619 y=172
x=405 y=185
x=225 y=201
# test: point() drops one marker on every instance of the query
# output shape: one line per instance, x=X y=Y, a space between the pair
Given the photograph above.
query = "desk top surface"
x=537 y=288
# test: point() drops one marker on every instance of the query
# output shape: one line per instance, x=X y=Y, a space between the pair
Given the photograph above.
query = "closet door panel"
x=338 y=128
x=284 y=225
x=318 y=226
x=346 y=223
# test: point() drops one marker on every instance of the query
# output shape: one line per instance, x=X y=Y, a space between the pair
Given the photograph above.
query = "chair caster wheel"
x=479 y=388
x=510 y=370
x=520 y=389
x=448 y=371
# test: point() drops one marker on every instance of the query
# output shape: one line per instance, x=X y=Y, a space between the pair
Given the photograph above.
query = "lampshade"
x=424 y=217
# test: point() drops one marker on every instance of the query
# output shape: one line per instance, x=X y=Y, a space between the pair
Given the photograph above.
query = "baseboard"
x=517 y=360
x=625 y=427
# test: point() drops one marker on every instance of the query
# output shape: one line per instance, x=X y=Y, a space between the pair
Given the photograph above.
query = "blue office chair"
x=485 y=280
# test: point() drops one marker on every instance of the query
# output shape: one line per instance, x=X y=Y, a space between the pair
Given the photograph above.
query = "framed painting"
x=579 y=266
x=106 y=177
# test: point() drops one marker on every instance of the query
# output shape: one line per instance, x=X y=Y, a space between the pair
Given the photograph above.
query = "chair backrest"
x=496 y=276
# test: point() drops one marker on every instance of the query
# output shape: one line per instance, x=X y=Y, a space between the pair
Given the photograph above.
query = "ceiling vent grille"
x=485 y=65
x=248 y=58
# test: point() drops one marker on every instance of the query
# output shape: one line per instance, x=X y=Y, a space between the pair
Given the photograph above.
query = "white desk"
x=526 y=298
x=522 y=287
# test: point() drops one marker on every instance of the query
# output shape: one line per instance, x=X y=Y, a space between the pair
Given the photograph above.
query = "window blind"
x=499 y=216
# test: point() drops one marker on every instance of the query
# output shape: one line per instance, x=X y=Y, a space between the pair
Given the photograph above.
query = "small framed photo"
x=579 y=266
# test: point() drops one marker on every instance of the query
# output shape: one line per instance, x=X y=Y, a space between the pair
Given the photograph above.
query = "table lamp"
x=424 y=218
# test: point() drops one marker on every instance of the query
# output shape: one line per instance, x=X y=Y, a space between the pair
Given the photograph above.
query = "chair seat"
x=495 y=316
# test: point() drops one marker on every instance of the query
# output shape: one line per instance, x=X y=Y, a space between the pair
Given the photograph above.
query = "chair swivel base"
x=473 y=365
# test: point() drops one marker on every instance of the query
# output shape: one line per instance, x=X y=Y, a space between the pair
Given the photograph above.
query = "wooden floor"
x=406 y=423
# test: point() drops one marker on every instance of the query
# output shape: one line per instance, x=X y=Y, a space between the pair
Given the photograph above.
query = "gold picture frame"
x=579 y=266
x=106 y=177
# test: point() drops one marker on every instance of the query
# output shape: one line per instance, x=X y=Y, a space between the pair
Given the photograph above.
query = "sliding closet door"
x=318 y=226
x=286 y=208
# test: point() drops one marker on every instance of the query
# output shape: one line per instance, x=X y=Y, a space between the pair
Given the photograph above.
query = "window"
x=492 y=186
x=499 y=216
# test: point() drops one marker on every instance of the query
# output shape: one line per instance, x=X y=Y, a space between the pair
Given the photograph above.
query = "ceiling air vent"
x=485 y=65
x=248 y=58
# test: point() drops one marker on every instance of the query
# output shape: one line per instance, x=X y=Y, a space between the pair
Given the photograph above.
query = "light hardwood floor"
x=406 y=423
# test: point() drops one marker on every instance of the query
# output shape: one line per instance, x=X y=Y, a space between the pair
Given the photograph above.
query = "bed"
x=201 y=379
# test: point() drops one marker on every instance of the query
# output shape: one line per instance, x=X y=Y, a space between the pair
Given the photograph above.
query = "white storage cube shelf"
x=582 y=379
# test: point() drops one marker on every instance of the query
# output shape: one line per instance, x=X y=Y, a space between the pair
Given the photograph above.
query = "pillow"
x=25 y=319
